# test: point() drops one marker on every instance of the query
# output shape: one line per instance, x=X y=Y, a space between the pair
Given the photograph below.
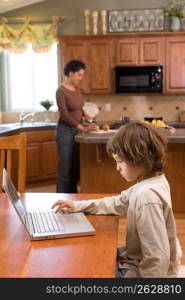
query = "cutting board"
x=101 y=131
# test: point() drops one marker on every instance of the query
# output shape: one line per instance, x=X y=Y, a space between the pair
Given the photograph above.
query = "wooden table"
x=79 y=257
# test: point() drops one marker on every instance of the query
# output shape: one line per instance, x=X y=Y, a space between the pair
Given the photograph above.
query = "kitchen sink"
x=3 y=128
x=25 y=124
x=30 y=124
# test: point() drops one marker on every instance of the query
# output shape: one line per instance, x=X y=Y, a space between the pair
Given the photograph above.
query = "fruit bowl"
x=159 y=123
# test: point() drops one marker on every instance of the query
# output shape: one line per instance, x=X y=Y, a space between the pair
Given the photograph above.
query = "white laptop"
x=46 y=224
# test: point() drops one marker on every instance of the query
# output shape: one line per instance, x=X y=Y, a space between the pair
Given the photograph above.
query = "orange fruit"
x=106 y=127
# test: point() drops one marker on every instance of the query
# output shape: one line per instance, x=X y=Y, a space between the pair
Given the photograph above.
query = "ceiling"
x=7 y=5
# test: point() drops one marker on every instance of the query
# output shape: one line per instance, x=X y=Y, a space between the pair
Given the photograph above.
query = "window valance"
x=17 y=33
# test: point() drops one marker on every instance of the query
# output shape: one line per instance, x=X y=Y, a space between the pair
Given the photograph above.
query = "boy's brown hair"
x=137 y=143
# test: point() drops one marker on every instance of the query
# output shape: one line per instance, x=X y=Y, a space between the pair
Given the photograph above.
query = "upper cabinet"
x=127 y=52
x=140 y=51
x=175 y=65
x=151 y=51
x=99 y=66
x=96 y=54
x=72 y=49
x=102 y=53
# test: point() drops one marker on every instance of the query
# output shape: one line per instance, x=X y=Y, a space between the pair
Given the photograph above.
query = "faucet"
x=24 y=117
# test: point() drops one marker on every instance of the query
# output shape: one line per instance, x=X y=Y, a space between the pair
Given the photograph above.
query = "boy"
x=152 y=248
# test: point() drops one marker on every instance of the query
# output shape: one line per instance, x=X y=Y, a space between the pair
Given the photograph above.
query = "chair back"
x=8 y=145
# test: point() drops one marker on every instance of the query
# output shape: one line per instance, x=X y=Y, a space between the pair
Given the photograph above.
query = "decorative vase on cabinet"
x=175 y=24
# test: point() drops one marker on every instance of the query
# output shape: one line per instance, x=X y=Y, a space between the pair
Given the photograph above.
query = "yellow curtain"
x=16 y=37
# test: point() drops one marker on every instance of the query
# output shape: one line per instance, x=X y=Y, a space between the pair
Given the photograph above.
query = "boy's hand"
x=64 y=206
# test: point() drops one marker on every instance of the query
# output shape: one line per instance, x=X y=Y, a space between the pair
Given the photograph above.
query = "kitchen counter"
x=174 y=136
x=15 y=128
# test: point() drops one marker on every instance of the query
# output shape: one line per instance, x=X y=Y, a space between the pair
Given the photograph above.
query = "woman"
x=70 y=105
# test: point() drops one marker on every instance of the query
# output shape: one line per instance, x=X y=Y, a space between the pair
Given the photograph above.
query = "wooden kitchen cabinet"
x=33 y=162
x=175 y=65
x=102 y=53
x=151 y=51
x=96 y=54
x=99 y=66
x=75 y=49
x=127 y=52
x=42 y=156
x=49 y=159
x=140 y=51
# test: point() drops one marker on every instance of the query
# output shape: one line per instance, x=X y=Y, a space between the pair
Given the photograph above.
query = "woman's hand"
x=64 y=206
x=91 y=127
x=81 y=127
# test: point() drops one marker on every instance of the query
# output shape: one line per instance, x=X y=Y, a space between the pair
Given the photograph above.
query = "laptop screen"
x=13 y=195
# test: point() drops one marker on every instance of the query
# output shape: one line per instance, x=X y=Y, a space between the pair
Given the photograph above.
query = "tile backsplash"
x=44 y=116
x=136 y=107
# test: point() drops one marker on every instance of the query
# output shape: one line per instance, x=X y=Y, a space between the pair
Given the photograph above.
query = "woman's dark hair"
x=73 y=66
x=137 y=143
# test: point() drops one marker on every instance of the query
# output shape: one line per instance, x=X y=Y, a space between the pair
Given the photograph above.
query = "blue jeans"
x=120 y=273
x=69 y=159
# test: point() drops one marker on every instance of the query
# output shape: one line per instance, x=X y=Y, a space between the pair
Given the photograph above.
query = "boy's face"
x=130 y=173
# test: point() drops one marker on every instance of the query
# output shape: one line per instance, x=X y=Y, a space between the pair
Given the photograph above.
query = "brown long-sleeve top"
x=70 y=105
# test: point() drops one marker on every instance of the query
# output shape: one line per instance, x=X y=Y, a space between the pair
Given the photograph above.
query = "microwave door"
x=134 y=83
x=137 y=80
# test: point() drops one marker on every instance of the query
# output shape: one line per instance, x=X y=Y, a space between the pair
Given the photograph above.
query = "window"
x=30 y=78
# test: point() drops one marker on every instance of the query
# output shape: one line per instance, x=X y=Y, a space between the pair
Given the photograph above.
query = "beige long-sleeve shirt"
x=152 y=248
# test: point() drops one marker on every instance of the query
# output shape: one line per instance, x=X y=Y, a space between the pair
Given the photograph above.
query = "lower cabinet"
x=42 y=156
x=34 y=164
x=50 y=159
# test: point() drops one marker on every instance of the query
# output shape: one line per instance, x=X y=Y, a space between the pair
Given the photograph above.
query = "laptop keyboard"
x=46 y=221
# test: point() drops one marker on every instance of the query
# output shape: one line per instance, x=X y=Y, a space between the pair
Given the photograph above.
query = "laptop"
x=47 y=224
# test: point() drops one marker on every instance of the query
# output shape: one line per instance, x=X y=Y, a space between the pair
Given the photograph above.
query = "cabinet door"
x=99 y=66
x=151 y=51
x=34 y=165
x=127 y=52
x=175 y=65
x=75 y=49
x=49 y=159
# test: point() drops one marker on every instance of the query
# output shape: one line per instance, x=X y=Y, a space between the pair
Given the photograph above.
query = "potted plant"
x=175 y=11
x=46 y=104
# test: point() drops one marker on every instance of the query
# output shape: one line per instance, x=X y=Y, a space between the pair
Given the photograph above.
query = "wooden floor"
x=180 y=223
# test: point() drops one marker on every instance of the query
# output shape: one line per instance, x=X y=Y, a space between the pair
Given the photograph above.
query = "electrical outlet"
x=107 y=107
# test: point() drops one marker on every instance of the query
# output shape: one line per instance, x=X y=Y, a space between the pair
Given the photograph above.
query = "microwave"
x=142 y=79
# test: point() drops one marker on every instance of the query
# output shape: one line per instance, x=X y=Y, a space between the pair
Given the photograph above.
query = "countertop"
x=91 y=138
x=15 y=128
x=175 y=136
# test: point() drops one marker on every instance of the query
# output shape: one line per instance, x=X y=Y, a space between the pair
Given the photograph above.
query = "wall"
x=44 y=116
x=73 y=9
x=136 y=106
